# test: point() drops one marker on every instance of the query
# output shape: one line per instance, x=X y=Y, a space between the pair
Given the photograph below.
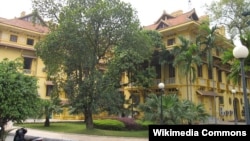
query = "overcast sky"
x=148 y=10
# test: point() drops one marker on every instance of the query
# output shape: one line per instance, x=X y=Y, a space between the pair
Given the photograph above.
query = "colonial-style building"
x=214 y=91
x=19 y=35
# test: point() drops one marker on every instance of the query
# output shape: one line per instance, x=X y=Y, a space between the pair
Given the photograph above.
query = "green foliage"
x=175 y=111
x=109 y=124
x=18 y=93
x=86 y=32
x=229 y=14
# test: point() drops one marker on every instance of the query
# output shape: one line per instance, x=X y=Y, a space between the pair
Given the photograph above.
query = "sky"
x=148 y=11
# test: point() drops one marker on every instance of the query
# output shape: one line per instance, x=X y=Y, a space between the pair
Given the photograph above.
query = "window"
x=13 y=38
x=158 y=71
x=49 y=89
x=199 y=71
x=171 y=41
x=27 y=64
x=171 y=71
x=30 y=41
x=221 y=100
x=210 y=74
x=219 y=76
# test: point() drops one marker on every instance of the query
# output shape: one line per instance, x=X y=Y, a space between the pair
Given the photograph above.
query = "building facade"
x=19 y=35
x=213 y=90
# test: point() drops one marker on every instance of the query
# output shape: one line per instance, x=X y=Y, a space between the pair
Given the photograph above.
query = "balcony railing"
x=212 y=84
x=202 y=82
x=170 y=80
x=222 y=86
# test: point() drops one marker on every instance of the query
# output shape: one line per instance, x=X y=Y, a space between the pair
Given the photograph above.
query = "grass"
x=80 y=128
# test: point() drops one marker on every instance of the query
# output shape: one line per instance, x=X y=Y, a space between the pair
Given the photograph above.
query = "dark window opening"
x=210 y=74
x=49 y=89
x=30 y=41
x=171 y=71
x=219 y=76
x=199 y=71
x=171 y=41
x=158 y=71
x=221 y=100
x=27 y=65
x=13 y=38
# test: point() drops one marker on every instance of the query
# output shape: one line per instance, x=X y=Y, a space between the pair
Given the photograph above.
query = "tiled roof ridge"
x=24 y=24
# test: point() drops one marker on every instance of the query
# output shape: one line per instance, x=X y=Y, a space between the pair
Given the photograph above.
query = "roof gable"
x=176 y=18
x=26 y=22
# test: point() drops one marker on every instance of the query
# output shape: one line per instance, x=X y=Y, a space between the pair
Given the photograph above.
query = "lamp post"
x=161 y=86
x=234 y=107
x=241 y=52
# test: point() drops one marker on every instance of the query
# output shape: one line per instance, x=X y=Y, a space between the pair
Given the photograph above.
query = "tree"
x=187 y=58
x=18 y=93
x=207 y=43
x=194 y=113
x=235 y=63
x=86 y=33
x=229 y=13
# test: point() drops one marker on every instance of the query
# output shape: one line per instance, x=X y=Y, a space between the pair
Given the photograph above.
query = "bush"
x=144 y=124
x=123 y=123
x=130 y=123
x=109 y=124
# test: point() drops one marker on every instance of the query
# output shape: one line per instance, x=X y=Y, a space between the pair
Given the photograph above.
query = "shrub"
x=109 y=124
x=144 y=124
x=130 y=123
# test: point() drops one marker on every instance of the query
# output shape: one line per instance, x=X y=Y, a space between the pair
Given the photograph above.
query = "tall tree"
x=230 y=14
x=207 y=40
x=135 y=56
x=87 y=31
x=186 y=59
x=18 y=94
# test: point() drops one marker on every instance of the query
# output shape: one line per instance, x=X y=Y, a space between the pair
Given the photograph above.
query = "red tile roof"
x=25 y=25
x=170 y=20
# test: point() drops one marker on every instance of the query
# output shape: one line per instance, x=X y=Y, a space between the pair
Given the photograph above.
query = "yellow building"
x=18 y=37
x=218 y=102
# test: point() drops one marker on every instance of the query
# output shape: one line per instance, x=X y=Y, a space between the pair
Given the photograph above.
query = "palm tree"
x=152 y=109
x=174 y=110
x=207 y=37
x=194 y=113
x=186 y=58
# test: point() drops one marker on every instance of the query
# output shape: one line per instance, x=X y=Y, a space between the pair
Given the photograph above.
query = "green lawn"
x=80 y=128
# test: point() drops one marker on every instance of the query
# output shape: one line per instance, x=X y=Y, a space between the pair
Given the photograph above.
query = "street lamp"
x=161 y=86
x=234 y=107
x=241 y=52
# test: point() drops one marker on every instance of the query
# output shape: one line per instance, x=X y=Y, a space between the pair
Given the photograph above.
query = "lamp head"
x=161 y=85
x=233 y=91
x=240 y=52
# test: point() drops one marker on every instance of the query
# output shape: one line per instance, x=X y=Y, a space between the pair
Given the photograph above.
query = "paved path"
x=53 y=136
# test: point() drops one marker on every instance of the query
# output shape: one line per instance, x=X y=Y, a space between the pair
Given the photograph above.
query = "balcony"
x=202 y=82
x=222 y=86
x=230 y=87
x=212 y=84
x=170 y=80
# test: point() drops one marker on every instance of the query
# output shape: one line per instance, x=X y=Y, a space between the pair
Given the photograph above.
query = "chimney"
x=22 y=13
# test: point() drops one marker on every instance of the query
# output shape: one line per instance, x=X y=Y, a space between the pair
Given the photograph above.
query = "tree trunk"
x=88 y=118
x=2 y=134
x=187 y=87
x=47 y=122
